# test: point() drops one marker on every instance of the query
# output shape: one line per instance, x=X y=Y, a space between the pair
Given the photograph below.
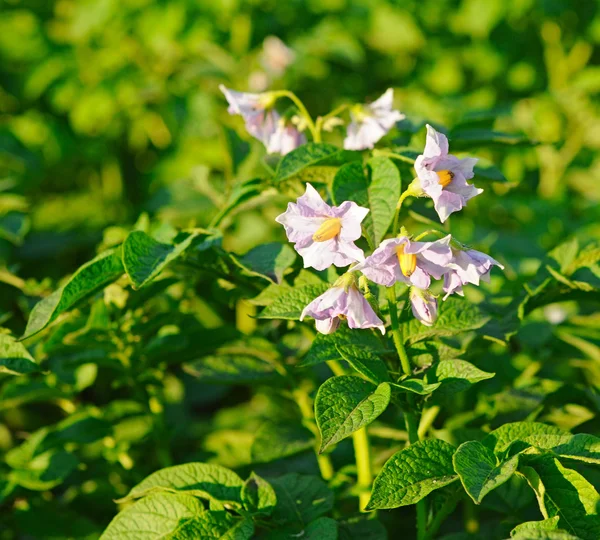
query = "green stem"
x=303 y=111
x=322 y=119
x=397 y=331
x=427 y=419
x=441 y=515
x=439 y=234
x=305 y=405
x=406 y=194
x=394 y=155
x=362 y=455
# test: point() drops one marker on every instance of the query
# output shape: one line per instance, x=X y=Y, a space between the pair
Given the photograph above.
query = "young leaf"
x=564 y=493
x=411 y=474
x=308 y=155
x=346 y=404
x=159 y=515
x=269 y=260
x=379 y=191
x=365 y=362
x=90 y=278
x=275 y=441
x=300 y=499
x=214 y=524
x=203 y=480
x=290 y=303
x=144 y=258
x=479 y=472
x=258 y=496
x=14 y=357
x=458 y=375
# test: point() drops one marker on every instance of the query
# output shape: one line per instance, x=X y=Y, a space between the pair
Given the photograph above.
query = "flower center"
x=445 y=177
x=328 y=230
x=407 y=261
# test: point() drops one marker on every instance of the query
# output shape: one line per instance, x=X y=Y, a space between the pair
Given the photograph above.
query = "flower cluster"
x=325 y=235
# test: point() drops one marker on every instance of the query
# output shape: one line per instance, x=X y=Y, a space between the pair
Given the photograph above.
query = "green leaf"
x=231 y=369
x=412 y=473
x=365 y=362
x=487 y=170
x=14 y=357
x=90 y=278
x=217 y=524
x=457 y=315
x=145 y=258
x=362 y=529
x=564 y=254
x=518 y=436
x=426 y=353
x=458 y=376
x=258 y=496
x=240 y=194
x=346 y=404
x=45 y=471
x=327 y=347
x=290 y=303
x=379 y=191
x=416 y=386
x=322 y=528
x=211 y=482
x=270 y=260
x=475 y=137
x=541 y=530
x=308 y=155
x=275 y=441
x=300 y=499
x=564 y=493
x=479 y=472
x=157 y=516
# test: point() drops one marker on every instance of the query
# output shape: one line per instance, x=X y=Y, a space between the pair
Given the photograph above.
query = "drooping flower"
x=424 y=306
x=467 y=266
x=262 y=121
x=371 y=122
x=323 y=235
x=276 y=56
x=413 y=263
x=443 y=176
x=342 y=301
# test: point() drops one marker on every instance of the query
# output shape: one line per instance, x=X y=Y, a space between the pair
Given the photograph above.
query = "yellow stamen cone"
x=445 y=177
x=328 y=230
x=407 y=261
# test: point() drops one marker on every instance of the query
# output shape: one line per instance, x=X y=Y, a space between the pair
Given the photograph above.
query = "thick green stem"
x=305 y=405
x=427 y=419
x=362 y=455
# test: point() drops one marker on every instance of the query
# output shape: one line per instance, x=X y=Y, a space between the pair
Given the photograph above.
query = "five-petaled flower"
x=371 y=122
x=263 y=122
x=443 y=176
x=324 y=235
x=424 y=306
x=467 y=266
x=413 y=263
x=342 y=301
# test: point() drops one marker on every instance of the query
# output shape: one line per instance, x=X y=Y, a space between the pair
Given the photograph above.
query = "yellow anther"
x=445 y=177
x=408 y=261
x=328 y=230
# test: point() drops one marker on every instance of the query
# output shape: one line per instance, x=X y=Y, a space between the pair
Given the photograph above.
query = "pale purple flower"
x=424 y=306
x=323 y=235
x=276 y=55
x=342 y=302
x=262 y=121
x=467 y=266
x=413 y=263
x=443 y=176
x=371 y=122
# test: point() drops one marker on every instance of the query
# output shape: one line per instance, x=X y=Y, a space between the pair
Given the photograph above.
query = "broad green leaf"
x=378 y=190
x=457 y=315
x=144 y=258
x=458 y=375
x=346 y=404
x=541 y=530
x=45 y=471
x=211 y=482
x=269 y=260
x=487 y=170
x=426 y=353
x=468 y=138
x=258 y=496
x=519 y=436
x=479 y=471
x=275 y=441
x=240 y=194
x=230 y=369
x=416 y=386
x=217 y=524
x=412 y=473
x=157 y=516
x=564 y=254
x=365 y=362
x=362 y=529
x=564 y=493
x=14 y=357
x=309 y=155
x=300 y=499
x=290 y=303
x=322 y=528
x=327 y=347
x=90 y=278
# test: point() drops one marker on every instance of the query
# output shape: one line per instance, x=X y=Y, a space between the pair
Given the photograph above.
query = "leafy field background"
x=112 y=121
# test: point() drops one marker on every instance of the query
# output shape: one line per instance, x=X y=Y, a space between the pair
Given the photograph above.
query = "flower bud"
x=424 y=306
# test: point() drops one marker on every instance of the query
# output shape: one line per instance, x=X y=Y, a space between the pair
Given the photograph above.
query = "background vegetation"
x=112 y=120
